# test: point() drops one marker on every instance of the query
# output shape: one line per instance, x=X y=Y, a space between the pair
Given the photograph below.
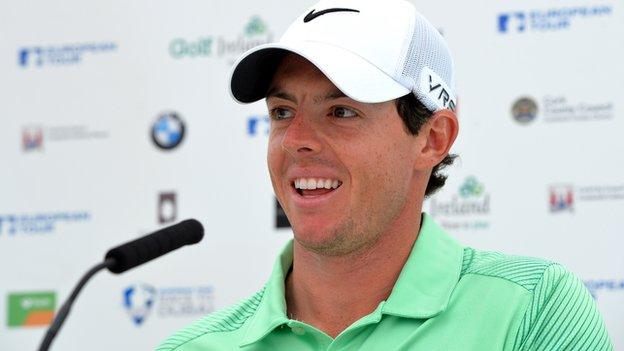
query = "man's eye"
x=281 y=113
x=343 y=112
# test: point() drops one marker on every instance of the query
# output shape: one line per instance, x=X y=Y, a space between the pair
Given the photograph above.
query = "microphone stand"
x=127 y=256
x=64 y=310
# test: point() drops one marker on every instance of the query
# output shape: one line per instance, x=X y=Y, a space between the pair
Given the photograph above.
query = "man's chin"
x=315 y=238
x=329 y=240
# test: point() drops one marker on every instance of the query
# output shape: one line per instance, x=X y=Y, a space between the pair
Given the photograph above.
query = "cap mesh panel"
x=427 y=49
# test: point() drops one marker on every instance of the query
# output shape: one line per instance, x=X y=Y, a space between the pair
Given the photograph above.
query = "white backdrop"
x=83 y=83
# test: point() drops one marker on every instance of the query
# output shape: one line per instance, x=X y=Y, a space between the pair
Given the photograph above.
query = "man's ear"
x=439 y=133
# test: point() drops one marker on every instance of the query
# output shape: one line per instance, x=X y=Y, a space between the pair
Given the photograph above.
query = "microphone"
x=127 y=256
x=149 y=247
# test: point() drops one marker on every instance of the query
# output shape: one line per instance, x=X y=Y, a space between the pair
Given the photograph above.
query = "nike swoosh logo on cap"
x=312 y=15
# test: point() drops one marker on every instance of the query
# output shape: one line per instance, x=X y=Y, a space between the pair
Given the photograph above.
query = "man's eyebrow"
x=332 y=95
x=275 y=92
x=335 y=94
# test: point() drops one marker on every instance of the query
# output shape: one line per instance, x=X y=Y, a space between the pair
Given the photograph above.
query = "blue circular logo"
x=168 y=130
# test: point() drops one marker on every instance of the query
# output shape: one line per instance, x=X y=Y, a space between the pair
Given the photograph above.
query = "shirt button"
x=298 y=330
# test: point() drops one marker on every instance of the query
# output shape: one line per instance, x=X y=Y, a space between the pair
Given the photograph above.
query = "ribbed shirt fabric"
x=447 y=297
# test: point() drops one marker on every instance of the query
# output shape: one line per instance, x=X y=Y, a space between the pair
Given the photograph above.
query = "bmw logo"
x=168 y=130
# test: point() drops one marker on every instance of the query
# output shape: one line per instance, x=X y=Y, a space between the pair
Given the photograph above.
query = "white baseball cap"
x=372 y=50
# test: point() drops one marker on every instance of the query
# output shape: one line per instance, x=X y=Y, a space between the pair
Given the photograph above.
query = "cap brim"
x=354 y=76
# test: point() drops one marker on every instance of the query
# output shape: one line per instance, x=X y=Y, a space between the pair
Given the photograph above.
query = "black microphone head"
x=193 y=230
x=158 y=243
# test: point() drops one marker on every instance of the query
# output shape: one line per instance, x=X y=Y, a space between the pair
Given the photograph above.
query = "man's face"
x=357 y=158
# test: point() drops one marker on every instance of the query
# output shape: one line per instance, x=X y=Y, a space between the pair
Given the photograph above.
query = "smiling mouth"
x=315 y=186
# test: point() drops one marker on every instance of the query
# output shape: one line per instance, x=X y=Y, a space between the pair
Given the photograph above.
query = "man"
x=360 y=95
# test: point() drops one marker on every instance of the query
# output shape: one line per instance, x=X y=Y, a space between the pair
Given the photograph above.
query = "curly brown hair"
x=414 y=115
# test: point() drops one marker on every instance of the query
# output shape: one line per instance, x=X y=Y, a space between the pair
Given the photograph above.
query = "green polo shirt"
x=447 y=297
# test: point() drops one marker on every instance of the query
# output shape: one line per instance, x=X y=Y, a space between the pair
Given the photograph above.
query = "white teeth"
x=313 y=183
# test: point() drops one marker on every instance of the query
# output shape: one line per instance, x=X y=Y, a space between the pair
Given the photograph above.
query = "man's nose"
x=301 y=138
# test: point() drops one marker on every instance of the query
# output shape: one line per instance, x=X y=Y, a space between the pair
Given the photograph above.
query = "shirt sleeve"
x=562 y=315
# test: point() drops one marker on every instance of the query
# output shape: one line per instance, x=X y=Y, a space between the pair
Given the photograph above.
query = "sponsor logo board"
x=255 y=32
x=167 y=207
x=551 y=19
x=560 y=109
x=468 y=208
x=38 y=223
x=30 y=309
x=565 y=198
x=598 y=286
x=258 y=125
x=168 y=131
x=144 y=301
x=61 y=55
x=33 y=136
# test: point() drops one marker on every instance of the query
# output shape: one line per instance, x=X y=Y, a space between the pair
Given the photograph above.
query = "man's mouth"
x=315 y=186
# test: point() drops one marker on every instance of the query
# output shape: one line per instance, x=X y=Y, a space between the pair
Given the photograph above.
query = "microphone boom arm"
x=127 y=256
x=64 y=310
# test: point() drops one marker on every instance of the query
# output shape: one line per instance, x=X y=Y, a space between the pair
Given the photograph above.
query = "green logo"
x=179 y=47
x=30 y=309
x=471 y=188
x=255 y=26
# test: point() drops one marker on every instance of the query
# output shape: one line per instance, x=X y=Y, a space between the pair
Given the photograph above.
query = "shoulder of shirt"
x=560 y=313
x=526 y=272
x=225 y=320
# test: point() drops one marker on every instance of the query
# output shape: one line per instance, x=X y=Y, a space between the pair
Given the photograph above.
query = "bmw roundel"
x=168 y=130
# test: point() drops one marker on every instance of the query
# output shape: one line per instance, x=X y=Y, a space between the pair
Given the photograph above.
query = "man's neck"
x=331 y=293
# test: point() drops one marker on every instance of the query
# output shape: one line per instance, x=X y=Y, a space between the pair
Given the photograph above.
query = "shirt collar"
x=271 y=311
x=429 y=276
x=422 y=290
